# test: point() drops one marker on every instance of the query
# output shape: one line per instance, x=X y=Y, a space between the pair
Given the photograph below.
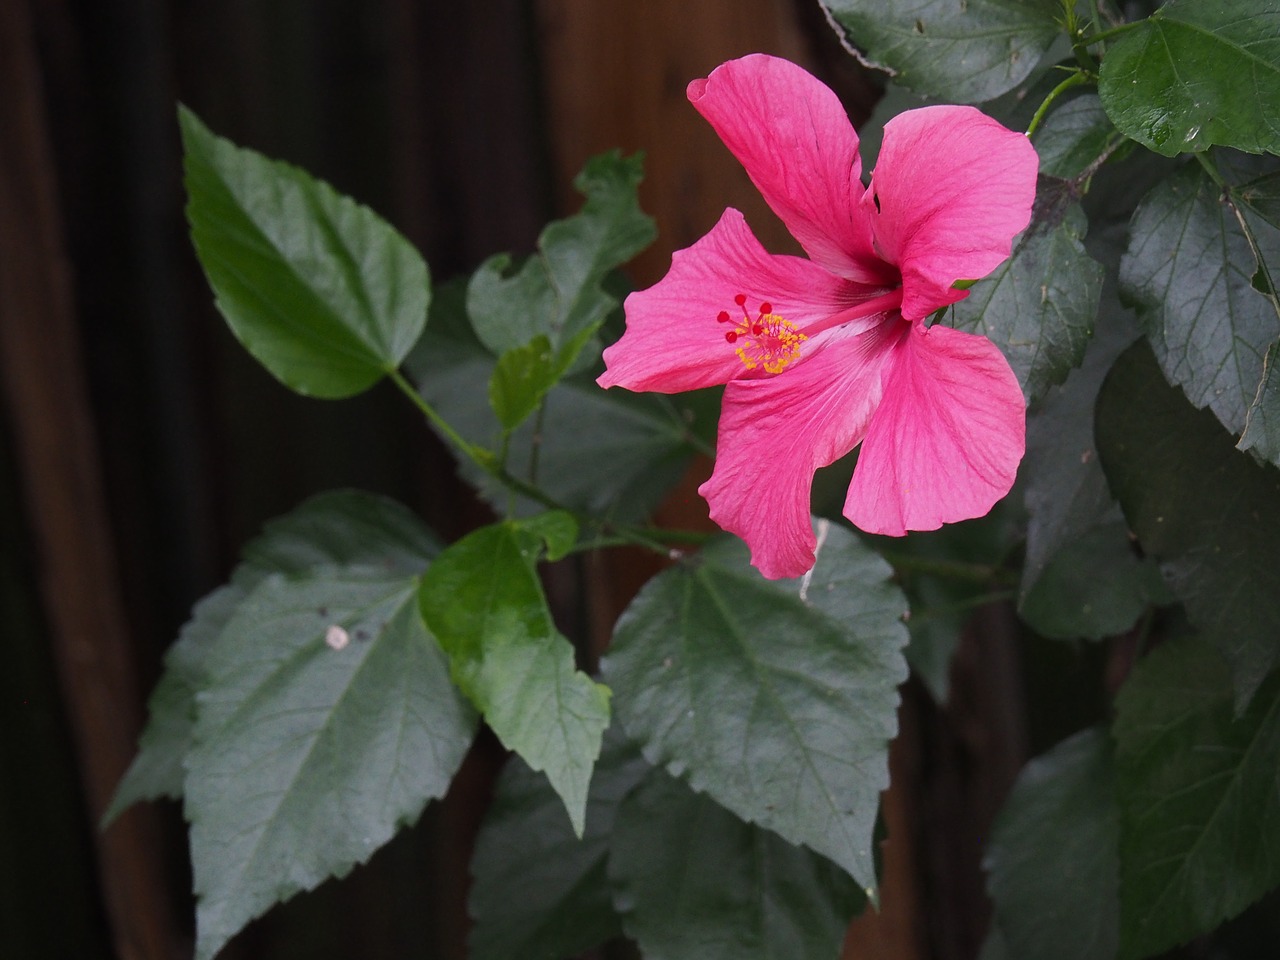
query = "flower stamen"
x=768 y=341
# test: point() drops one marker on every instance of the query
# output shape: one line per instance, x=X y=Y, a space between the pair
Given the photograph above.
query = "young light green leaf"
x=339 y=527
x=326 y=721
x=1199 y=804
x=523 y=376
x=1188 y=271
x=324 y=293
x=483 y=600
x=609 y=453
x=1195 y=74
x=1053 y=870
x=539 y=891
x=1039 y=306
x=1209 y=513
x=776 y=698
x=967 y=52
x=692 y=880
x=558 y=292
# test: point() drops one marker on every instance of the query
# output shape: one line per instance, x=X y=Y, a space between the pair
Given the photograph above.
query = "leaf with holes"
x=1195 y=74
x=1052 y=865
x=1199 y=800
x=324 y=293
x=776 y=698
x=483 y=600
x=1189 y=272
x=692 y=880
x=966 y=52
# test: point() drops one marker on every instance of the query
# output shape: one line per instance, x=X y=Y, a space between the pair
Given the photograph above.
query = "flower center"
x=768 y=341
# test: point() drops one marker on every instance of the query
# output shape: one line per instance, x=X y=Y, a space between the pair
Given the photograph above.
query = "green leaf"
x=483 y=600
x=540 y=893
x=1199 y=801
x=1073 y=136
x=1188 y=271
x=1196 y=74
x=324 y=293
x=1209 y=513
x=326 y=722
x=1262 y=195
x=558 y=292
x=1053 y=867
x=613 y=454
x=1081 y=576
x=692 y=880
x=966 y=52
x=339 y=527
x=157 y=771
x=522 y=376
x=1039 y=306
x=1262 y=426
x=557 y=528
x=776 y=698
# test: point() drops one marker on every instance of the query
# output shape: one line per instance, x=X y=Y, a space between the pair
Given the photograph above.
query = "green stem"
x=1077 y=78
x=655 y=539
x=1108 y=34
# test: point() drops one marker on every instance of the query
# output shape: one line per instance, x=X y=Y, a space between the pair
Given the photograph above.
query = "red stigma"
x=724 y=316
x=766 y=307
x=740 y=299
x=731 y=336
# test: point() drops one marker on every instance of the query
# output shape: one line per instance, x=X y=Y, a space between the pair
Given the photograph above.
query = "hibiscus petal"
x=791 y=134
x=775 y=433
x=673 y=340
x=953 y=188
x=945 y=443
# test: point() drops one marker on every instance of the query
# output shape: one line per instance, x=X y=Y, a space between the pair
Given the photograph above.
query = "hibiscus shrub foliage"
x=1098 y=292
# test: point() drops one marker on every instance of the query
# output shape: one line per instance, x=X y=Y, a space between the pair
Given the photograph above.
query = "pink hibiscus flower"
x=824 y=353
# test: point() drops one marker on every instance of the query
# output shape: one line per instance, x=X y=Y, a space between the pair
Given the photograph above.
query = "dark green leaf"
x=1073 y=136
x=1188 y=271
x=1262 y=427
x=1209 y=513
x=157 y=771
x=326 y=721
x=324 y=293
x=1039 y=306
x=610 y=453
x=340 y=527
x=967 y=52
x=558 y=292
x=540 y=893
x=1053 y=868
x=1093 y=586
x=1196 y=74
x=777 y=698
x=483 y=600
x=1199 y=797
x=692 y=880
x=1262 y=195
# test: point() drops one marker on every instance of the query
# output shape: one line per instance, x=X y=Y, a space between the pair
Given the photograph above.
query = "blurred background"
x=140 y=446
